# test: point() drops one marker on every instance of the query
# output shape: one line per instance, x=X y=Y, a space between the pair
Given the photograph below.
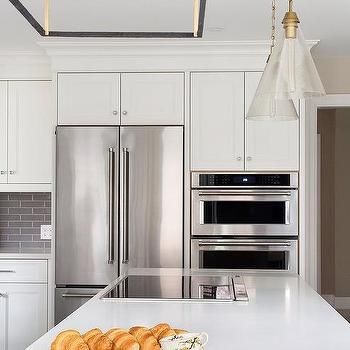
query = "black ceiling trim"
x=201 y=18
x=28 y=16
x=120 y=34
x=36 y=25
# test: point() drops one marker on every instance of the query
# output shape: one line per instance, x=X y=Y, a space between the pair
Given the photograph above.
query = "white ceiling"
x=225 y=20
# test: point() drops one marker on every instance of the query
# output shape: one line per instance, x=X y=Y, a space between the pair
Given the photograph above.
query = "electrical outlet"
x=45 y=231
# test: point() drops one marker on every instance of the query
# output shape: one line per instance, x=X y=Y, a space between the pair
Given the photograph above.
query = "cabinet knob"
x=249 y=159
x=115 y=112
x=3 y=172
x=12 y=172
x=125 y=112
x=239 y=158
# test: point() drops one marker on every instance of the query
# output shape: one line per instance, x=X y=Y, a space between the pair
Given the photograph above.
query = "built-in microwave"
x=248 y=204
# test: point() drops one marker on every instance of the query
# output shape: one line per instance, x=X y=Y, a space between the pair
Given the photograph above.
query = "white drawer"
x=32 y=271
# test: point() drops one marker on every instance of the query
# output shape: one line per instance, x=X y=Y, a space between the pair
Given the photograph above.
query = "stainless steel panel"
x=253 y=245
x=290 y=228
x=67 y=300
x=294 y=179
x=153 y=195
x=83 y=203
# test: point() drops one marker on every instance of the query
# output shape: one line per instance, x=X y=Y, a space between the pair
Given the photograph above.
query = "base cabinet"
x=23 y=314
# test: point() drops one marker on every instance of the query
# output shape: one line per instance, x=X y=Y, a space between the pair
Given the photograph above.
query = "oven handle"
x=248 y=193
x=246 y=244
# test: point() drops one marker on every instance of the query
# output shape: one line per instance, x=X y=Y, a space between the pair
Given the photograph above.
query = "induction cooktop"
x=211 y=288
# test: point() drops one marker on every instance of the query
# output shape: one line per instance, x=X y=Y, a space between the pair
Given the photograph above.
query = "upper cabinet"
x=270 y=145
x=88 y=98
x=223 y=140
x=27 y=132
x=152 y=98
x=30 y=132
x=3 y=132
x=120 y=98
x=217 y=121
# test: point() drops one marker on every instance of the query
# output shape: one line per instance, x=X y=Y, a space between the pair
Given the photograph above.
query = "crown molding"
x=54 y=47
x=16 y=64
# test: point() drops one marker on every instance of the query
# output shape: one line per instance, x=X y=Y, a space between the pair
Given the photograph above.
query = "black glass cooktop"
x=224 y=288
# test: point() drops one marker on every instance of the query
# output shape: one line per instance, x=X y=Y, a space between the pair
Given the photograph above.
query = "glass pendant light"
x=290 y=72
x=265 y=106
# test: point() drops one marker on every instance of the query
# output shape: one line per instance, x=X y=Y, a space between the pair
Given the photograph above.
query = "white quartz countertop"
x=25 y=253
x=282 y=312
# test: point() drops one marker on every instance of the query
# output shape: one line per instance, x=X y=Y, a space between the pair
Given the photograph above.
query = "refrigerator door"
x=86 y=238
x=151 y=188
x=67 y=300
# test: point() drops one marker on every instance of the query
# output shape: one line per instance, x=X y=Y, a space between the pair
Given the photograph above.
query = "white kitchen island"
x=282 y=312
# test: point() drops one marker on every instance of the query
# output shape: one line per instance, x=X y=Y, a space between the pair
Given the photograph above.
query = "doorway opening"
x=333 y=151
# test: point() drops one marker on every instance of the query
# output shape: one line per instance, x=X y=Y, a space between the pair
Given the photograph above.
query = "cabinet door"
x=30 y=131
x=152 y=98
x=88 y=98
x=217 y=101
x=23 y=314
x=270 y=145
x=3 y=132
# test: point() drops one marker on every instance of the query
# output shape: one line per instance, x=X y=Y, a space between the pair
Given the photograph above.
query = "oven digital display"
x=241 y=180
x=245 y=180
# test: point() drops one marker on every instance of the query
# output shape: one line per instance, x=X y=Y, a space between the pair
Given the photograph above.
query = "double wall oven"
x=245 y=221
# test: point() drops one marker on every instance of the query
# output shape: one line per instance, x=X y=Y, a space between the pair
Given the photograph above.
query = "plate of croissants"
x=161 y=336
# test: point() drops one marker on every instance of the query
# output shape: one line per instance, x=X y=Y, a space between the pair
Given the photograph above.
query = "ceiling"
x=225 y=20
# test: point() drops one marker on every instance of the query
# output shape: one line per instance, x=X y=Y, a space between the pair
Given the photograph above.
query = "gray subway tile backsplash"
x=21 y=215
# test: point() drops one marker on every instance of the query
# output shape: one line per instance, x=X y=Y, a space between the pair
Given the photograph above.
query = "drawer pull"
x=69 y=295
x=7 y=271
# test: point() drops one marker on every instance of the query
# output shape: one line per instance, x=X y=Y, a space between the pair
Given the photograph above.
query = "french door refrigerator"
x=119 y=203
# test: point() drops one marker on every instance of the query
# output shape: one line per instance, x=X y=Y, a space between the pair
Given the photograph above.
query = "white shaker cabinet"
x=23 y=302
x=217 y=121
x=152 y=98
x=88 y=98
x=3 y=132
x=270 y=145
x=30 y=132
x=120 y=98
x=23 y=314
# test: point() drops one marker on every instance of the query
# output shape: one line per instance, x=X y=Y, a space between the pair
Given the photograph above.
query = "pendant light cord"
x=290 y=7
x=273 y=28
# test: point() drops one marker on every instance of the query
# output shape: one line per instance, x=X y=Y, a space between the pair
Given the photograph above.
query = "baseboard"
x=342 y=303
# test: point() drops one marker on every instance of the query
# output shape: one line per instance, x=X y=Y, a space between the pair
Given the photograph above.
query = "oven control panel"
x=242 y=180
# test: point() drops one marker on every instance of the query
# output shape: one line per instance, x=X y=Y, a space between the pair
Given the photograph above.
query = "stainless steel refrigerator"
x=119 y=203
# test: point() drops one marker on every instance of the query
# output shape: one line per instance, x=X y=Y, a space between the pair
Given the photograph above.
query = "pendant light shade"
x=264 y=108
x=290 y=73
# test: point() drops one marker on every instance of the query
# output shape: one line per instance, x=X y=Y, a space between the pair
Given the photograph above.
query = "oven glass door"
x=250 y=255
x=244 y=212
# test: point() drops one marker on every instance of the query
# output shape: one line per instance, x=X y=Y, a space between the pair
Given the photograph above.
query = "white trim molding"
x=311 y=186
x=184 y=55
x=24 y=65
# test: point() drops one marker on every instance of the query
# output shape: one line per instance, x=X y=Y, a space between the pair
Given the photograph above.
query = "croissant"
x=100 y=342
x=125 y=341
x=76 y=343
x=159 y=328
x=91 y=333
x=145 y=338
x=62 y=339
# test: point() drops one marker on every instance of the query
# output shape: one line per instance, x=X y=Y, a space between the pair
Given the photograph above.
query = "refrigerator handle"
x=126 y=174
x=111 y=190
